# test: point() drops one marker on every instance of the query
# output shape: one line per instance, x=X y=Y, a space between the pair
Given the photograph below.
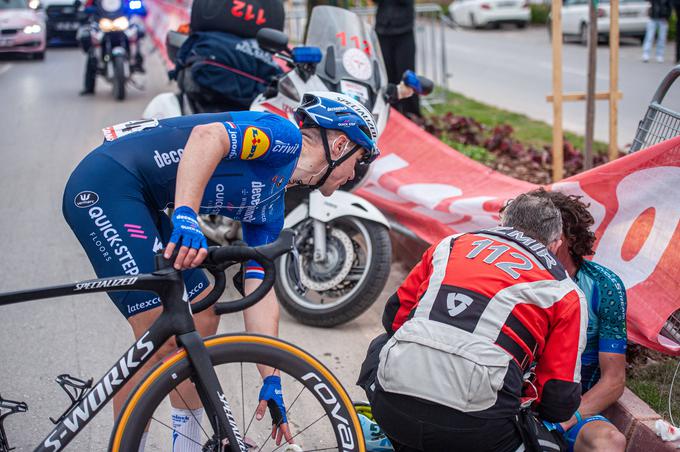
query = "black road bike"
x=320 y=412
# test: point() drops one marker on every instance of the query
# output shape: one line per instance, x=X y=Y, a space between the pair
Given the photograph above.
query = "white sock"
x=186 y=433
x=142 y=443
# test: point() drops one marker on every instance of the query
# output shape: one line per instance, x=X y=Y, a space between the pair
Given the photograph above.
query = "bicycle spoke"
x=251 y=422
x=243 y=400
x=318 y=450
x=192 y=413
x=153 y=418
x=290 y=408
x=301 y=431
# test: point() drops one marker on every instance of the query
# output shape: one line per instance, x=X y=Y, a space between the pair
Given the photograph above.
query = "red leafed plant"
x=497 y=148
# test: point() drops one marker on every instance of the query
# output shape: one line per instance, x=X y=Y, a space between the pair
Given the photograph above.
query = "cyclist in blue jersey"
x=603 y=363
x=233 y=164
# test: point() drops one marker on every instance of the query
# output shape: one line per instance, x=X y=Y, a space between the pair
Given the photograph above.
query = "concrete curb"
x=635 y=419
x=630 y=414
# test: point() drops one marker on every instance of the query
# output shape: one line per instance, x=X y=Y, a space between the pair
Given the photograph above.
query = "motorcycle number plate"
x=66 y=26
x=126 y=128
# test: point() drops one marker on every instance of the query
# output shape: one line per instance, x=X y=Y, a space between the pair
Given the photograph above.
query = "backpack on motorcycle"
x=240 y=17
x=222 y=71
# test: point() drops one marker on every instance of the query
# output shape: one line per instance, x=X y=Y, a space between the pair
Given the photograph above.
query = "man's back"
x=606 y=297
x=471 y=317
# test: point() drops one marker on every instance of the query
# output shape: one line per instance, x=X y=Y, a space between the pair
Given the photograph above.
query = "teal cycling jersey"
x=606 y=297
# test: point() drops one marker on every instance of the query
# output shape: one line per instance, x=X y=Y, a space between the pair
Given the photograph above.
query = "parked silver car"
x=633 y=17
x=482 y=13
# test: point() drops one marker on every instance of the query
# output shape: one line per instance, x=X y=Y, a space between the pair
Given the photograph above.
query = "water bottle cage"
x=7 y=408
x=75 y=388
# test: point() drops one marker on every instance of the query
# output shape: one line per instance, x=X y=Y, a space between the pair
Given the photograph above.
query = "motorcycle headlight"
x=121 y=23
x=32 y=29
x=106 y=25
x=117 y=24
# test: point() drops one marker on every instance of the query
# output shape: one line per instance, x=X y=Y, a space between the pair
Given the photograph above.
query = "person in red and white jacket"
x=463 y=329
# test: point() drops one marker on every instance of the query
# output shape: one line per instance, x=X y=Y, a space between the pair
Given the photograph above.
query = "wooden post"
x=558 y=145
x=613 y=80
x=590 y=89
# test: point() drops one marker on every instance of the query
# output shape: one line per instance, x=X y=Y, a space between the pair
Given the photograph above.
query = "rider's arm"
x=558 y=372
x=406 y=297
x=263 y=317
x=606 y=391
x=208 y=144
x=612 y=345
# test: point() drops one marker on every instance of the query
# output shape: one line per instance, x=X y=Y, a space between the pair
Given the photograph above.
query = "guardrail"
x=430 y=31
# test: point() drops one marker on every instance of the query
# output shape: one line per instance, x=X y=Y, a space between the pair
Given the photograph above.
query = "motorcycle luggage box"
x=239 y=17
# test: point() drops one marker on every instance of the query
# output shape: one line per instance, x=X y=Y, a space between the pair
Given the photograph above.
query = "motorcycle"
x=112 y=43
x=343 y=240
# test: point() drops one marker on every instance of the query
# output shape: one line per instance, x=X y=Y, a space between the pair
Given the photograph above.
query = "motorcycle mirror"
x=272 y=40
x=173 y=41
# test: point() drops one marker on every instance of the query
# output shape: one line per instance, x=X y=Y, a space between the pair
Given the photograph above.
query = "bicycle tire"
x=232 y=349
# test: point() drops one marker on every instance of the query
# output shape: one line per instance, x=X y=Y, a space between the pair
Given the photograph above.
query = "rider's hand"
x=271 y=396
x=187 y=234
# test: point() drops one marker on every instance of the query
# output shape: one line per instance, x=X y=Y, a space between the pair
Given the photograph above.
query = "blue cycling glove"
x=186 y=231
x=272 y=393
x=411 y=80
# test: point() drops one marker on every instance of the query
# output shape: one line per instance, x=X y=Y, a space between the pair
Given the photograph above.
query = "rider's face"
x=344 y=172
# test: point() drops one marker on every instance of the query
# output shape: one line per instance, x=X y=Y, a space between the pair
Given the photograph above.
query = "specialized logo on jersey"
x=255 y=144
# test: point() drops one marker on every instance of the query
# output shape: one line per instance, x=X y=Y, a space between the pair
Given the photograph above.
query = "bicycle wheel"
x=320 y=413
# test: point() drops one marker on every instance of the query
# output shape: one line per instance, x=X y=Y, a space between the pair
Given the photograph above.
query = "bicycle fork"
x=210 y=392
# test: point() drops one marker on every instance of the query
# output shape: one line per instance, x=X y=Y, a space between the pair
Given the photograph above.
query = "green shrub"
x=477 y=153
x=539 y=13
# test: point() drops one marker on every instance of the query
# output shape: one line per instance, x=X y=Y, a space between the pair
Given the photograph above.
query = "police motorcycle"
x=343 y=240
x=111 y=41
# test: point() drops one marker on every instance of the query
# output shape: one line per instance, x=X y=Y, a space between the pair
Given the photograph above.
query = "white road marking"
x=5 y=67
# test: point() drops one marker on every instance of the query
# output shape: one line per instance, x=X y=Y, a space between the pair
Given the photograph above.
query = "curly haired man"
x=603 y=362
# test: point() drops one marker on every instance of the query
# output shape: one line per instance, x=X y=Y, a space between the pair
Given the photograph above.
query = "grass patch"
x=528 y=131
x=651 y=382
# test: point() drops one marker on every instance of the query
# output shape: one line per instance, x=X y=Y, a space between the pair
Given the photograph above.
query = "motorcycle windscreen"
x=352 y=61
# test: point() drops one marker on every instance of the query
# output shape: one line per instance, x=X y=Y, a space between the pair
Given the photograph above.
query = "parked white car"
x=633 y=17
x=483 y=13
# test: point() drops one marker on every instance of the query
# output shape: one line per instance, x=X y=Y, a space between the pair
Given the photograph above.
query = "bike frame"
x=175 y=320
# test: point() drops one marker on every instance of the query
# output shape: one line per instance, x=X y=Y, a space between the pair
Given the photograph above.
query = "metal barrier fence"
x=430 y=31
x=660 y=123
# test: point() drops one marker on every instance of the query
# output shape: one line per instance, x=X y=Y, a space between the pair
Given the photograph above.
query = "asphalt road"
x=45 y=129
x=512 y=69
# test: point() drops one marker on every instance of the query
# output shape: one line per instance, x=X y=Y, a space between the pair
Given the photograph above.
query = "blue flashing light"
x=307 y=55
x=135 y=4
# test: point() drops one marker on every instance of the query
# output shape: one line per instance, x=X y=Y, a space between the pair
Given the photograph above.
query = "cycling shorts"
x=110 y=213
x=571 y=434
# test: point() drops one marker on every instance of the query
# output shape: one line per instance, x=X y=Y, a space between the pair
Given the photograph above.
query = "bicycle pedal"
x=75 y=388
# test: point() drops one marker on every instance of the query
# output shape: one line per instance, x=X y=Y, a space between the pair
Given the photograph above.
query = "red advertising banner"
x=435 y=191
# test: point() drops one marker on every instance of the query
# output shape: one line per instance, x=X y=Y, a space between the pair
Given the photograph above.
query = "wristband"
x=578 y=417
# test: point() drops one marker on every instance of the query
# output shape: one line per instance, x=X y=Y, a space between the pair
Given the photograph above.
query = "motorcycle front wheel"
x=346 y=283
x=119 y=77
